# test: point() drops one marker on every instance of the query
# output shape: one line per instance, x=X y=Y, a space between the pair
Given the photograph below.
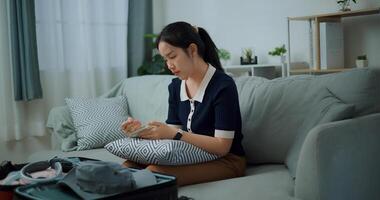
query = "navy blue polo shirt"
x=213 y=111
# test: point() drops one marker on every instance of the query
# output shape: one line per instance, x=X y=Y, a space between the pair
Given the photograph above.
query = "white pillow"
x=97 y=120
x=161 y=152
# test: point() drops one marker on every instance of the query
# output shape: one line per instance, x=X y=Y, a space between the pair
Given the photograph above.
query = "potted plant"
x=345 y=4
x=224 y=56
x=248 y=57
x=153 y=63
x=279 y=51
x=361 y=61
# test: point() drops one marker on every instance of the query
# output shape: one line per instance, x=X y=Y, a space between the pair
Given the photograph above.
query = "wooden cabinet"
x=314 y=42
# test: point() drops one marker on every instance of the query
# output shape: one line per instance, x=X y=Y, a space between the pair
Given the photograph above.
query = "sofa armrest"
x=339 y=161
x=62 y=127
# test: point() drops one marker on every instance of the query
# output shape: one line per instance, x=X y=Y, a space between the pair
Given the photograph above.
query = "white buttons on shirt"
x=192 y=109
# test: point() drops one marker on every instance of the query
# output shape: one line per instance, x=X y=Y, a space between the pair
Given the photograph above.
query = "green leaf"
x=224 y=54
x=155 y=64
x=278 y=51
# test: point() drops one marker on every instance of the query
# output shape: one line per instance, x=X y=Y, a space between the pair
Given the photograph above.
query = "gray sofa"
x=337 y=159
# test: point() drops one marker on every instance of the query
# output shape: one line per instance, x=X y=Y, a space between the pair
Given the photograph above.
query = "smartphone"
x=135 y=133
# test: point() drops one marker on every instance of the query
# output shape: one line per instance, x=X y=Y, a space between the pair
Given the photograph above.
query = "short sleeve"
x=226 y=110
x=173 y=118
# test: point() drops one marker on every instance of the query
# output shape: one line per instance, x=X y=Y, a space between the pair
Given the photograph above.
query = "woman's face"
x=177 y=60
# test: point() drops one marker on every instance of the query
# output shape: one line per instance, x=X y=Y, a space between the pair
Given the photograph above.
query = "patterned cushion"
x=161 y=152
x=97 y=120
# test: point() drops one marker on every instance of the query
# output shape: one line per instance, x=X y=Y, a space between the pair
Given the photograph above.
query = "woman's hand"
x=159 y=131
x=130 y=125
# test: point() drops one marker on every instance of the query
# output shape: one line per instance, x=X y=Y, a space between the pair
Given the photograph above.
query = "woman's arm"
x=215 y=145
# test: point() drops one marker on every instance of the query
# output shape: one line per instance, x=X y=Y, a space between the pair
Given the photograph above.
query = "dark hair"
x=182 y=34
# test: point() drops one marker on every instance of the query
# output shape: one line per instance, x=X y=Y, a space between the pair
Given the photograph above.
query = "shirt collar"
x=202 y=88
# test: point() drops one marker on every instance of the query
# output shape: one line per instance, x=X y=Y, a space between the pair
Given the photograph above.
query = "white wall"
x=236 y=24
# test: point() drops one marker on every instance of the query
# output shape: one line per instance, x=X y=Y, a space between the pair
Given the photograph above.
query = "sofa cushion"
x=327 y=109
x=267 y=182
x=358 y=86
x=271 y=114
x=162 y=152
x=97 y=120
x=273 y=110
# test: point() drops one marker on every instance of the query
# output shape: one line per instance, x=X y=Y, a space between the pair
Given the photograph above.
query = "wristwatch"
x=179 y=134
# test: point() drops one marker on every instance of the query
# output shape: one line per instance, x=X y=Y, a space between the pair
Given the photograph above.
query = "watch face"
x=178 y=136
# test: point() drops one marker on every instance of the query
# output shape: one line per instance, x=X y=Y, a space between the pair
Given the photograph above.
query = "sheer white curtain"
x=82 y=51
x=16 y=120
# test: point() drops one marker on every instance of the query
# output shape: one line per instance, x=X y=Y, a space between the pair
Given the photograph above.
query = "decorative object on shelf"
x=153 y=62
x=247 y=57
x=345 y=4
x=224 y=56
x=361 y=61
x=280 y=51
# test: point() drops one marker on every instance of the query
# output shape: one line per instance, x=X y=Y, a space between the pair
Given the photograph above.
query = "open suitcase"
x=166 y=188
x=7 y=192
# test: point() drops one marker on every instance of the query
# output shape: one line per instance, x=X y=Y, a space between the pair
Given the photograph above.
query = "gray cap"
x=99 y=179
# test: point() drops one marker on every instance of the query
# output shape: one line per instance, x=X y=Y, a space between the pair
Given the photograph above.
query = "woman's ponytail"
x=211 y=51
x=182 y=34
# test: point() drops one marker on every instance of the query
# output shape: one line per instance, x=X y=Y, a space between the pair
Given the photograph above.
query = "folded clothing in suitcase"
x=15 y=175
x=103 y=180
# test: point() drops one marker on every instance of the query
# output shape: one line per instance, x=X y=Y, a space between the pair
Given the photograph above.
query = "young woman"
x=203 y=107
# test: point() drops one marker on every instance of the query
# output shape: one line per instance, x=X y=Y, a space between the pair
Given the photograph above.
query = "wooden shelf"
x=339 y=14
x=314 y=42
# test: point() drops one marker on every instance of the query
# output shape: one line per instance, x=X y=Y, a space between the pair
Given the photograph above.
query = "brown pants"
x=229 y=166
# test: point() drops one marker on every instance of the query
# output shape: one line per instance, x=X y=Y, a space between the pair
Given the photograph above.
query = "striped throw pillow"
x=161 y=152
x=97 y=120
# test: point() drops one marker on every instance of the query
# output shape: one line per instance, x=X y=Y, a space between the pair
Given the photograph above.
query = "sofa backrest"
x=147 y=96
x=273 y=110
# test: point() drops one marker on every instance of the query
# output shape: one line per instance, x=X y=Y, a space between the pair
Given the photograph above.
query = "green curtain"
x=140 y=22
x=26 y=77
